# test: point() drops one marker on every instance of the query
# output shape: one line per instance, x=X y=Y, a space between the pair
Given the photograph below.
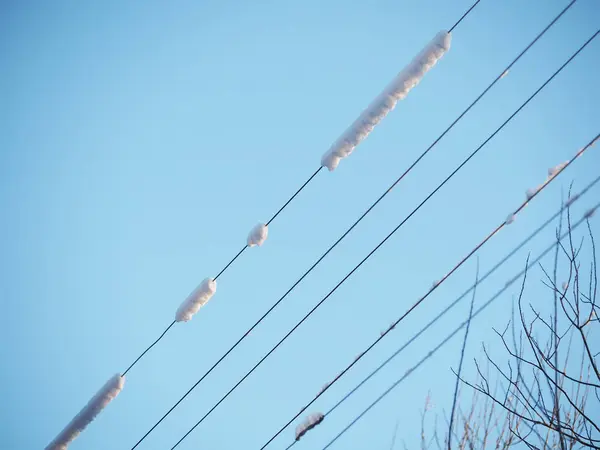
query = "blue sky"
x=142 y=140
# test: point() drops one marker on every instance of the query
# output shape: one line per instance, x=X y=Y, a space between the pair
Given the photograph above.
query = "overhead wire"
x=273 y=217
x=231 y=261
x=444 y=341
x=457 y=23
x=490 y=272
x=442 y=280
x=386 y=238
x=149 y=347
x=294 y=196
x=318 y=261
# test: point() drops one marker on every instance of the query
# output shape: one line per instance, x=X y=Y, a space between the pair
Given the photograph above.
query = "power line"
x=385 y=240
x=427 y=198
x=442 y=343
x=336 y=242
x=231 y=261
x=500 y=263
x=279 y=211
x=463 y=16
x=149 y=347
x=294 y=196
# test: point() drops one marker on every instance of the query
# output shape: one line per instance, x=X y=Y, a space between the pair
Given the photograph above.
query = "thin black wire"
x=463 y=16
x=271 y=219
x=500 y=263
x=382 y=243
x=230 y=262
x=509 y=283
x=421 y=204
x=294 y=196
x=224 y=269
x=148 y=349
x=289 y=200
x=388 y=190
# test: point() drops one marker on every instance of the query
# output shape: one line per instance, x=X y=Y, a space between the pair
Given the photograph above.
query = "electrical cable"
x=463 y=16
x=231 y=261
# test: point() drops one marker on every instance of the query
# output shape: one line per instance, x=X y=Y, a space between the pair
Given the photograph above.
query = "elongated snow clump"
x=258 y=235
x=89 y=412
x=530 y=193
x=553 y=171
x=399 y=88
x=589 y=213
x=572 y=200
x=308 y=424
x=196 y=300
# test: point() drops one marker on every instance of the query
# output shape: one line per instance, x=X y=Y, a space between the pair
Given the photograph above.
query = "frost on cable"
x=530 y=193
x=89 y=412
x=571 y=200
x=196 y=300
x=308 y=424
x=399 y=88
x=553 y=171
x=258 y=235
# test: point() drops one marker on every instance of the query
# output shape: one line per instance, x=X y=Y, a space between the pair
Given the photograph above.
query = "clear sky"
x=139 y=143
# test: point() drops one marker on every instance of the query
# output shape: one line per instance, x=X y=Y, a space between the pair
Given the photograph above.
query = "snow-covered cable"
x=311 y=421
x=197 y=299
x=89 y=412
x=258 y=235
x=397 y=90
